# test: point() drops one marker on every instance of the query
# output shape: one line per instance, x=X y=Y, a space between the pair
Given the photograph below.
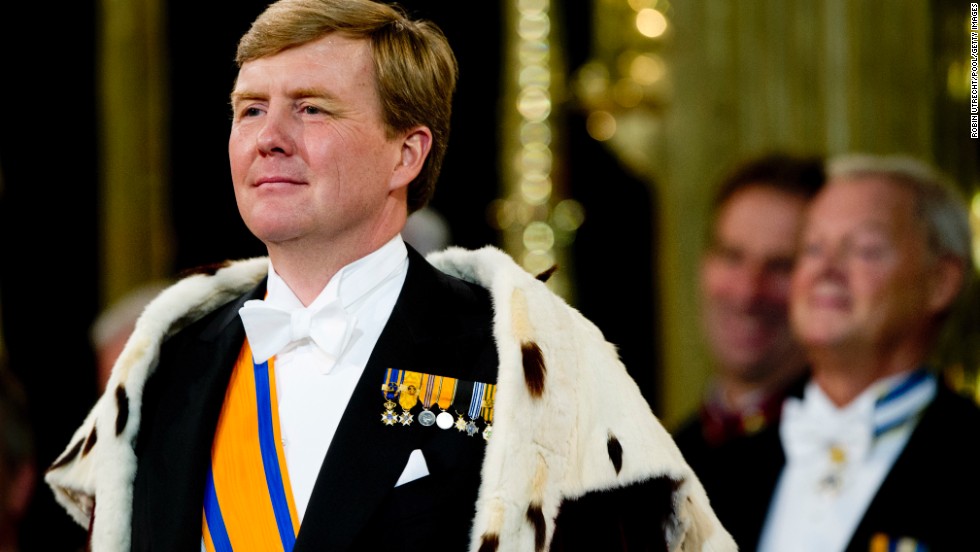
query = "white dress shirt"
x=835 y=463
x=311 y=399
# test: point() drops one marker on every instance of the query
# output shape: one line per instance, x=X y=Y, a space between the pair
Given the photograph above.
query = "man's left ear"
x=948 y=279
x=415 y=149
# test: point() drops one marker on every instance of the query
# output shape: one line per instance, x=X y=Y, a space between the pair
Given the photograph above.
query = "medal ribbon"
x=409 y=390
x=489 y=396
x=392 y=383
x=389 y=389
x=476 y=400
x=447 y=392
x=428 y=385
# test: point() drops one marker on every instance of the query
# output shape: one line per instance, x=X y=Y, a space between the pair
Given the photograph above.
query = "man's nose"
x=749 y=284
x=831 y=261
x=276 y=134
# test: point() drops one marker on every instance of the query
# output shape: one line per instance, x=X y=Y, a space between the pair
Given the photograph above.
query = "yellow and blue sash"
x=248 y=502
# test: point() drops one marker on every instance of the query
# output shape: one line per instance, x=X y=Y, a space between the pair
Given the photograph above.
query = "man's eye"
x=871 y=252
x=251 y=112
x=312 y=110
x=726 y=253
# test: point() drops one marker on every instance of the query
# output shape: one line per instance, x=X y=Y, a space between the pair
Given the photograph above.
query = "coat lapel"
x=366 y=456
x=896 y=510
x=180 y=414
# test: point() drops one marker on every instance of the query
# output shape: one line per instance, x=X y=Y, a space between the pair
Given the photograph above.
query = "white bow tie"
x=807 y=434
x=270 y=329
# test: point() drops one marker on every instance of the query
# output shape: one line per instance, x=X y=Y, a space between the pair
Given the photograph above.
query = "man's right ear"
x=414 y=150
x=948 y=278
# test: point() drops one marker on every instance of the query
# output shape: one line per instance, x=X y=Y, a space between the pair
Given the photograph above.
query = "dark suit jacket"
x=931 y=494
x=439 y=325
x=716 y=465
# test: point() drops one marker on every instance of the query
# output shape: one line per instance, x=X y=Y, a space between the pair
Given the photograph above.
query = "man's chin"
x=744 y=359
x=274 y=230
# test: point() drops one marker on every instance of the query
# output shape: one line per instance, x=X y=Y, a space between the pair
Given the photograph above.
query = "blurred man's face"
x=864 y=275
x=745 y=278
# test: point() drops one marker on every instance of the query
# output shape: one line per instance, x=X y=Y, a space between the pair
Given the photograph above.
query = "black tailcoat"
x=439 y=325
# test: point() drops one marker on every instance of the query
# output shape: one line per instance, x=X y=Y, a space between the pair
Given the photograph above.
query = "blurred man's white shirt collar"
x=820 y=499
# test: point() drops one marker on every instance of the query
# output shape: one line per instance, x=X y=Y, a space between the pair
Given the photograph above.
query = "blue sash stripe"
x=914 y=379
x=270 y=459
x=212 y=512
x=891 y=412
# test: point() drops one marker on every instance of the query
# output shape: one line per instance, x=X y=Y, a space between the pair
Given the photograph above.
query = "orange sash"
x=248 y=502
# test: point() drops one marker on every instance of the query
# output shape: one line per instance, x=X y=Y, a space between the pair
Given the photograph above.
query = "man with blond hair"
x=345 y=393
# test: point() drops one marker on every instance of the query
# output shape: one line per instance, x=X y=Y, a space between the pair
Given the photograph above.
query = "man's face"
x=864 y=273
x=309 y=155
x=745 y=281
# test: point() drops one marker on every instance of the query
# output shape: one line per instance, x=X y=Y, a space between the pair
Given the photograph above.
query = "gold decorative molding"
x=135 y=214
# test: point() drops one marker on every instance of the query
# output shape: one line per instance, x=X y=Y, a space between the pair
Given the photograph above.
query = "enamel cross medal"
x=408 y=396
x=476 y=404
x=389 y=389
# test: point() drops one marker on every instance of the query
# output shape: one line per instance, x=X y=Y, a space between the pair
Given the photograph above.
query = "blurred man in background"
x=18 y=478
x=745 y=271
x=876 y=453
x=111 y=329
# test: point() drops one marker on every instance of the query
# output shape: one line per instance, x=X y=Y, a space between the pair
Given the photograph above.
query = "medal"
x=389 y=389
x=832 y=482
x=461 y=401
x=476 y=405
x=444 y=420
x=408 y=396
x=447 y=393
x=427 y=417
x=487 y=412
x=460 y=423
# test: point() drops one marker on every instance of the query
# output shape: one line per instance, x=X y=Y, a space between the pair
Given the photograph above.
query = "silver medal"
x=427 y=418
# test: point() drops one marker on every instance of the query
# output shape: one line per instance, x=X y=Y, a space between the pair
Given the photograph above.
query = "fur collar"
x=568 y=418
